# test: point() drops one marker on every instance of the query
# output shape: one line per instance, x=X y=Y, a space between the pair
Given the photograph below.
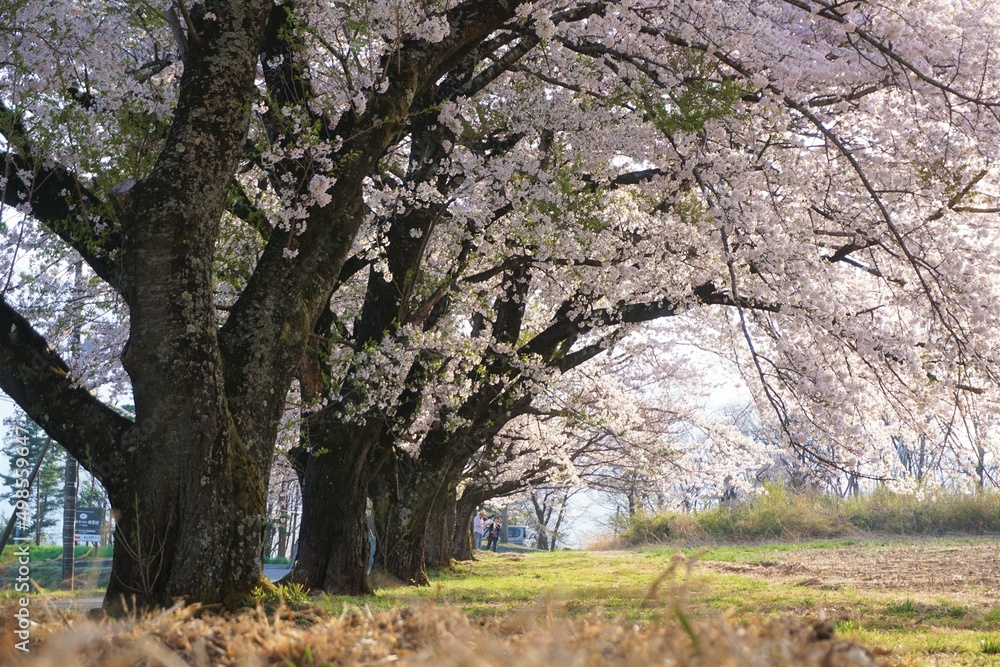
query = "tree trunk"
x=38 y=514
x=405 y=542
x=407 y=514
x=283 y=537
x=541 y=539
x=461 y=543
x=333 y=537
x=401 y=511
x=440 y=527
x=422 y=485
x=559 y=520
x=180 y=536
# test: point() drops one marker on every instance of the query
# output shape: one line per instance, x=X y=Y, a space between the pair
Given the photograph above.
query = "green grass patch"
x=925 y=627
x=286 y=593
x=905 y=608
x=54 y=551
x=990 y=645
x=754 y=553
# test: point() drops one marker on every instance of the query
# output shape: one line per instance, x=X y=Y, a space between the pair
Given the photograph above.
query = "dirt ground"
x=971 y=570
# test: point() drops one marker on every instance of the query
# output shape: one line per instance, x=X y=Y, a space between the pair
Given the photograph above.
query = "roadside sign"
x=88 y=524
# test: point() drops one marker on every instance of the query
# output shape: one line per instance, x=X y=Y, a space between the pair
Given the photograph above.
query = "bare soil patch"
x=970 y=569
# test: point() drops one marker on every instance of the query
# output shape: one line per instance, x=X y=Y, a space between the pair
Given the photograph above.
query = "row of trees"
x=633 y=455
x=425 y=220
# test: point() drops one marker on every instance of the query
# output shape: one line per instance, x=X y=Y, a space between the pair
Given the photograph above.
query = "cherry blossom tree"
x=427 y=211
x=188 y=477
x=809 y=268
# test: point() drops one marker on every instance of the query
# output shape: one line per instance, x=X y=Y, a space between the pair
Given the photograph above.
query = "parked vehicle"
x=516 y=534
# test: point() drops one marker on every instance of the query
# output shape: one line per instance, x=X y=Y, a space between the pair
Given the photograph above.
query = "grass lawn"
x=933 y=601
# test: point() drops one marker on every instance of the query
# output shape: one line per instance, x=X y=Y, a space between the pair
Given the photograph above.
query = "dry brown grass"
x=435 y=635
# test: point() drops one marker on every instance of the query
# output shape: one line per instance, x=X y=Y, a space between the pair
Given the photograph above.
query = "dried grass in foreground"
x=438 y=636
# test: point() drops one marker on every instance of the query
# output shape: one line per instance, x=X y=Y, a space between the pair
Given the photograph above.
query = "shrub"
x=779 y=514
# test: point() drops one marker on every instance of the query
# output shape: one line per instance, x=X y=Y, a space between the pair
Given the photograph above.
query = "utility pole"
x=72 y=465
x=69 y=522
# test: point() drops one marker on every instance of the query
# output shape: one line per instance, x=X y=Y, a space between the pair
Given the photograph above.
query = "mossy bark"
x=410 y=503
x=462 y=547
x=333 y=544
x=178 y=537
x=440 y=529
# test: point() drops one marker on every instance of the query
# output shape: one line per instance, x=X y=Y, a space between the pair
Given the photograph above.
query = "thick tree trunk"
x=406 y=509
x=421 y=483
x=440 y=529
x=421 y=487
x=189 y=486
x=405 y=541
x=178 y=536
x=333 y=538
x=461 y=542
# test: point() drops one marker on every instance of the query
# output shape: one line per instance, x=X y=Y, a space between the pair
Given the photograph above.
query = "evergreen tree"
x=45 y=498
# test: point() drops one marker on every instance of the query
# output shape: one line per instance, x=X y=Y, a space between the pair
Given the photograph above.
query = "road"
x=272 y=572
x=275 y=572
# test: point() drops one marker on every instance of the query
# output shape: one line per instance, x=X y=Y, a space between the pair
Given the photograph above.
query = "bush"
x=779 y=514
x=280 y=560
x=932 y=514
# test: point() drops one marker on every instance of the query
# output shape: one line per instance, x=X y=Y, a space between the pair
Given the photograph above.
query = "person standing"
x=493 y=534
x=478 y=528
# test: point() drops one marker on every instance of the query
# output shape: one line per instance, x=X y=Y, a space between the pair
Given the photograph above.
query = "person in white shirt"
x=478 y=528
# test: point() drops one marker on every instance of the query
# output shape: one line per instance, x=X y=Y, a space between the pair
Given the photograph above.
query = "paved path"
x=76 y=604
x=275 y=572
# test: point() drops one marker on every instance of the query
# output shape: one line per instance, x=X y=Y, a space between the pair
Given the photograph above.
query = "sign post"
x=89 y=521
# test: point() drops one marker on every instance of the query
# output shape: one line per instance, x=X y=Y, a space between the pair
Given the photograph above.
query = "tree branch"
x=39 y=381
x=65 y=206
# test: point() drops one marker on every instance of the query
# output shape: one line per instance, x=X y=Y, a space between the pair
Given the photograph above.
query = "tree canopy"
x=421 y=214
